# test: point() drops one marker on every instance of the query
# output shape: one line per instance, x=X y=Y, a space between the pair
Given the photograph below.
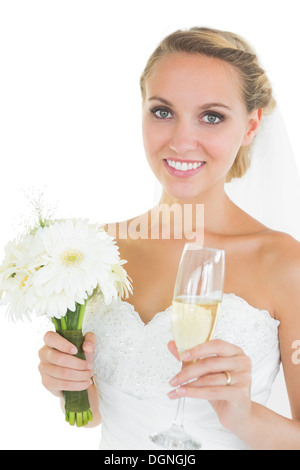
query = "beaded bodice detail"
x=133 y=357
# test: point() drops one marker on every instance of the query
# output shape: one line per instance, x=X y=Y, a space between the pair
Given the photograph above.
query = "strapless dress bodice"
x=133 y=366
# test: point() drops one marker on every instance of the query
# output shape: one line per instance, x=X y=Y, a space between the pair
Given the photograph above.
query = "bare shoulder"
x=282 y=250
x=283 y=263
x=275 y=247
x=280 y=254
x=276 y=255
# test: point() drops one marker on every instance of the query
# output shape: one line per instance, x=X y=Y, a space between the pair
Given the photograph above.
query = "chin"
x=186 y=192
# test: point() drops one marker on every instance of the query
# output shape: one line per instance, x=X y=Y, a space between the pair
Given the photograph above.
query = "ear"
x=253 y=127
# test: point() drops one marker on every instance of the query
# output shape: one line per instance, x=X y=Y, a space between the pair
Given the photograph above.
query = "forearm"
x=94 y=403
x=267 y=430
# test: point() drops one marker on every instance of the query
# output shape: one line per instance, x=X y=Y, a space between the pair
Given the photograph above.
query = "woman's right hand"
x=60 y=369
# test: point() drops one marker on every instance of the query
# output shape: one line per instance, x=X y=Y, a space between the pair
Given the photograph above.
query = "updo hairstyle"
x=233 y=49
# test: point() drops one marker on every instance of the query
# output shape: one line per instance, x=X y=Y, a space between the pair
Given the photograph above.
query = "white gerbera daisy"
x=120 y=280
x=22 y=260
x=20 y=298
x=78 y=260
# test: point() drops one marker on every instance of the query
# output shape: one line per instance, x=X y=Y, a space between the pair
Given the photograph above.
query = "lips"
x=183 y=169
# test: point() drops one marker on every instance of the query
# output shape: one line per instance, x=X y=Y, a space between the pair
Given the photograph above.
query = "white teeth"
x=184 y=166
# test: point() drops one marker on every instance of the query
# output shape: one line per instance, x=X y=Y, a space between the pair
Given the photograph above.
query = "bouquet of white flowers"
x=54 y=269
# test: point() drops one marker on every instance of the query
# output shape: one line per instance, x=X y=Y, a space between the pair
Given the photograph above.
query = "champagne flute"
x=196 y=304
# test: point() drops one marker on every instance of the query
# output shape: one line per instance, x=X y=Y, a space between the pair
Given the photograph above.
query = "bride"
x=203 y=99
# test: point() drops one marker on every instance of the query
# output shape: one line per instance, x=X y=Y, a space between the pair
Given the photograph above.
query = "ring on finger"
x=228 y=376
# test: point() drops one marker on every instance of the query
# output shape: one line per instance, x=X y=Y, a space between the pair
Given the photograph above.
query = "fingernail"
x=173 y=382
x=89 y=366
x=172 y=394
x=74 y=351
x=186 y=355
x=88 y=347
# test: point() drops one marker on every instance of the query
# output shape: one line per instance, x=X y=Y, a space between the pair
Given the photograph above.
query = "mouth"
x=183 y=169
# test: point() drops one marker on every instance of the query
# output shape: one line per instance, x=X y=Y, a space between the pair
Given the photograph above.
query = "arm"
x=60 y=370
x=266 y=429
x=256 y=425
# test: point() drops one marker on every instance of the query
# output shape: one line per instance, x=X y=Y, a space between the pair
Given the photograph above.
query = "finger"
x=214 y=347
x=209 y=365
x=54 y=384
x=173 y=349
x=65 y=373
x=89 y=347
x=54 y=340
x=213 y=380
x=206 y=393
x=241 y=379
x=57 y=358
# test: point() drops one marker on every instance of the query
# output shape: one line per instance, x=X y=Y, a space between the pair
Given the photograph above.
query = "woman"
x=204 y=96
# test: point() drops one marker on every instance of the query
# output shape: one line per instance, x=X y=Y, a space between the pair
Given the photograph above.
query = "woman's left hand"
x=204 y=376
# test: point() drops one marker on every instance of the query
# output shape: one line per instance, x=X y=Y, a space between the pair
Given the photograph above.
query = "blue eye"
x=161 y=113
x=213 y=118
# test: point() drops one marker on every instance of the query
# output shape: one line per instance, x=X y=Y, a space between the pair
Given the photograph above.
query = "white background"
x=70 y=125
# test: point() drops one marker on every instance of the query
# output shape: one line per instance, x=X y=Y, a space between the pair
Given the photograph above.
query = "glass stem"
x=178 y=421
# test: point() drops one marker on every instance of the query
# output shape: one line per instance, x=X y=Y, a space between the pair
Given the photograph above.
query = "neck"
x=215 y=205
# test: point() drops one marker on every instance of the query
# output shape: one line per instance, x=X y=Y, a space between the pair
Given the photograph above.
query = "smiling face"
x=194 y=123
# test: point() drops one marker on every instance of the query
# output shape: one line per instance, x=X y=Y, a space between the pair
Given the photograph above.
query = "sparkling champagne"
x=197 y=299
x=194 y=320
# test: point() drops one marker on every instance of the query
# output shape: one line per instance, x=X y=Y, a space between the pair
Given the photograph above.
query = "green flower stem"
x=80 y=419
x=81 y=316
x=77 y=406
x=63 y=323
x=55 y=323
x=72 y=418
x=85 y=418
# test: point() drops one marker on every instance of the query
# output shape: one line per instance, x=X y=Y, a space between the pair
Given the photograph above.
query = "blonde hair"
x=223 y=45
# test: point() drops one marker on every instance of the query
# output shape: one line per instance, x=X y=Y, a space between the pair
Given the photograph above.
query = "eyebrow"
x=204 y=106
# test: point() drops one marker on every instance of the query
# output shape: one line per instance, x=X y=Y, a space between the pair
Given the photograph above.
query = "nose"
x=184 y=138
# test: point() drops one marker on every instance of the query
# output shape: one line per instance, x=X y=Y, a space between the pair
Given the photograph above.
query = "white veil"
x=270 y=189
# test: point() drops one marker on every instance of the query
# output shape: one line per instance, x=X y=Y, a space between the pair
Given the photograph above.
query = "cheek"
x=223 y=146
x=154 y=141
x=150 y=145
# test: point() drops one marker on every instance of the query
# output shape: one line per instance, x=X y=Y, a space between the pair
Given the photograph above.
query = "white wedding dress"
x=133 y=366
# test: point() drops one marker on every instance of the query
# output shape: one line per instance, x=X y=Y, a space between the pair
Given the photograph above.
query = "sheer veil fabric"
x=270 y=189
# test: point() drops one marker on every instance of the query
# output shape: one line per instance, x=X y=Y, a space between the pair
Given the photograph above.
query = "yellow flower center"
x=23 y=282
x=72 y=257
